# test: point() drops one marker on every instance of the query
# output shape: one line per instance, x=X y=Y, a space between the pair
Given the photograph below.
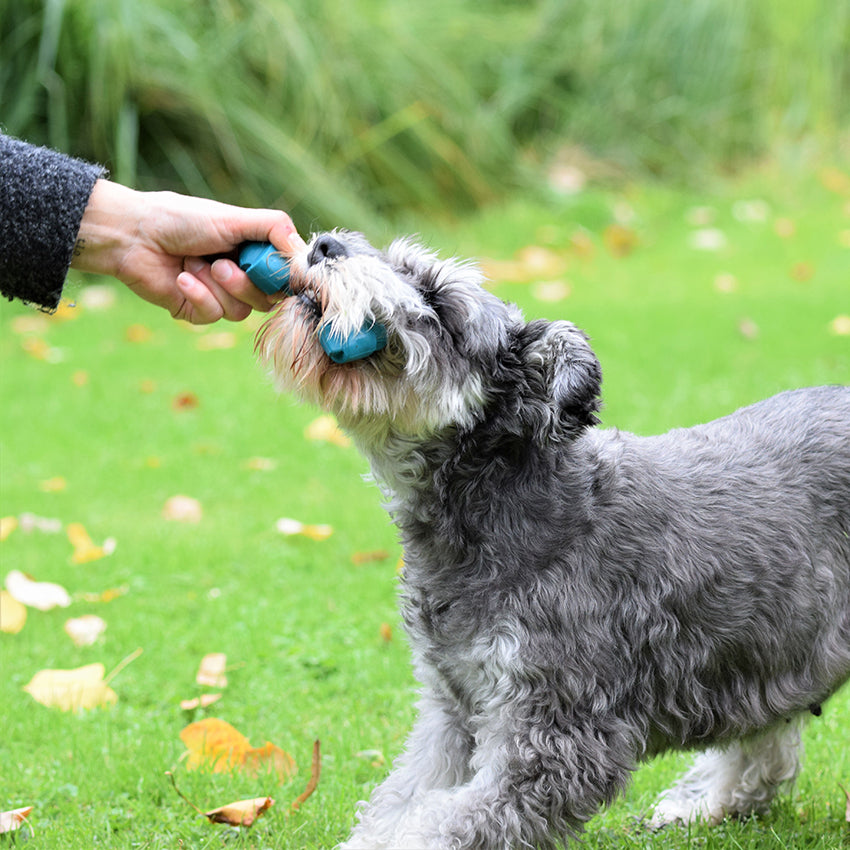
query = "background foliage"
x=360 y=112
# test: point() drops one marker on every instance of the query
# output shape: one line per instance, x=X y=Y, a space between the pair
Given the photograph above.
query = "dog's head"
x=456 y=356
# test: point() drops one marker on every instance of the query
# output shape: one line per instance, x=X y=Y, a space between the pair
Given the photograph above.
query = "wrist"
x=107 y=228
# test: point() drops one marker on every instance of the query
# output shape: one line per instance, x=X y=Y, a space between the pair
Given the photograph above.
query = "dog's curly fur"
x=577 y=599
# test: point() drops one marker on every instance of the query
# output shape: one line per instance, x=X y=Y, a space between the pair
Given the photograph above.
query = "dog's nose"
x=326 y=247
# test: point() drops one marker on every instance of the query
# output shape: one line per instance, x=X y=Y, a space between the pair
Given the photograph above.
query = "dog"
x=577 y=599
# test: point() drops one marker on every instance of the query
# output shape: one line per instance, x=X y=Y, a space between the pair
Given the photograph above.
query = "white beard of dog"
x=577 y=600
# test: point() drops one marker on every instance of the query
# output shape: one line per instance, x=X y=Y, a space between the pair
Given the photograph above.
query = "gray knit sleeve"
x=42 y=198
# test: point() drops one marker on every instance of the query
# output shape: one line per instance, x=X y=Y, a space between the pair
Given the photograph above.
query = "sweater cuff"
x=43 y=195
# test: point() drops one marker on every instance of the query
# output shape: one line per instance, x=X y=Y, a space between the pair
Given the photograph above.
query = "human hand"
x=156 y=242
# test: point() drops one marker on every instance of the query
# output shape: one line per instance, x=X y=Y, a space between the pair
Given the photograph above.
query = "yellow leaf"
x=71 y=690
x=840 y=326
x=53 y=485
x=7 y=525
x=43 y=595
x=619 y=240
x=291 y=527
x=84 y=549
x=216 y=745
x=85 y=630
x=211 y=672
x=10 y=821
x=13 y=614
x=325 y=429
x=240 y=813
x=216 y=341
x=138 y=333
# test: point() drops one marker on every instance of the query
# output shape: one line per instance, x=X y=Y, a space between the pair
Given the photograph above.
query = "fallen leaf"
x=360 y=558
x=748 y=329
x=42 y=595
x=71 y=690
x=325 y=429
x=47 y=525
x=840 y=326
x=203 y=701
x=751 y=212
x=138 y=333
x=582 y=244
x=550 y=291
x=291 y=527
x=725 y=283
x=104 y=596
x=211 y=672
x=38 y=349
x=53 y=485
x=10 y=821
x=386 y=632
x=184 y=401
x=785 y=228
x=85 y=630
x=98 y=297
x=84 y=548
x=707 y=239
x=13 y=614
x=216 y=341
x=241 y=813
x=701 y=216
x=260 y=464
x=802 y=272
x=216 y=745
x=7 y=525
x=34 y=323
x=182 y=509
x=619 y=240
x=315 y=771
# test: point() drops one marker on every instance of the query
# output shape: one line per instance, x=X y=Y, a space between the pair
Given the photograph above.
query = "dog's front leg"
x=436 y=756
x=533 y=787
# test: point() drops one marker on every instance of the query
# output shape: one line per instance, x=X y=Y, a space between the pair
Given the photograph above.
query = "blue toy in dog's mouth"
x=269 y=271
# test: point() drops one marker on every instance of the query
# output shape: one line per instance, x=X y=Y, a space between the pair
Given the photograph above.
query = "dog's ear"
x=561 y=380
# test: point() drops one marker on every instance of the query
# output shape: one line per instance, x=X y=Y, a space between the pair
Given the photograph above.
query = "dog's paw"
x=671 y=811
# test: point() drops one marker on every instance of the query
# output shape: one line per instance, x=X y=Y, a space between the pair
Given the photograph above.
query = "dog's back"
x=742 y=547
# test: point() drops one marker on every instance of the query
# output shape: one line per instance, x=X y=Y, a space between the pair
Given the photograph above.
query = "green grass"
x=301 y=624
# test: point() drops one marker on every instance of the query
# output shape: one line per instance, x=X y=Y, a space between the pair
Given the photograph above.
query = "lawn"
x=696 y=303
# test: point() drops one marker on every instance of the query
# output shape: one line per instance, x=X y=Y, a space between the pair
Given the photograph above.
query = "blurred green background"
x=366 y=112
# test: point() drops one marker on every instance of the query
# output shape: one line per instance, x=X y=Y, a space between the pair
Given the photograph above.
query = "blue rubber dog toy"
x=269 y=271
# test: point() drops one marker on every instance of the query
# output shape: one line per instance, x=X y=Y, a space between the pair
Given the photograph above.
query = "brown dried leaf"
x=360 y=558
x=10 y=821
x=203 y=701
x=241 y=813
x=216 y=745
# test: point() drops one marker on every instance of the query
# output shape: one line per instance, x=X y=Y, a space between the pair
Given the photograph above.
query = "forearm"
x=43 y=195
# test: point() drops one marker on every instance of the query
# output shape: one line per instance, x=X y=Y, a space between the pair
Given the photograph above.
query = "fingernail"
x=194 y=265
x=222 y=271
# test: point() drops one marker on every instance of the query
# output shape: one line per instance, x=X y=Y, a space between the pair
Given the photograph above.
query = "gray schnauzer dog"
x=577 y=600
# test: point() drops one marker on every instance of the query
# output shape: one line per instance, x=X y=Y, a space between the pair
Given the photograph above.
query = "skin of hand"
x=155 y=243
